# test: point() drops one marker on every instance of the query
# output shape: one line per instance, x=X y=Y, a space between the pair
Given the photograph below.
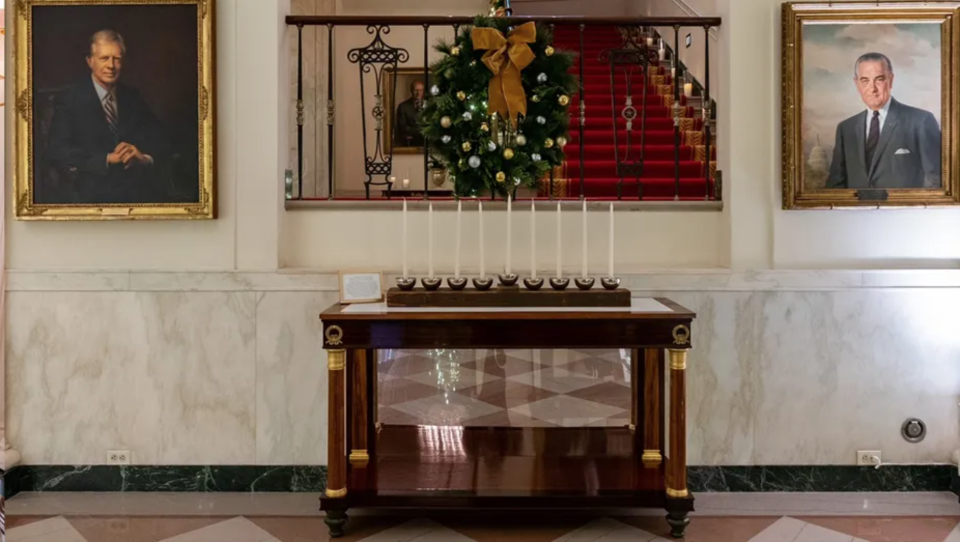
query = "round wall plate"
x=913 y=430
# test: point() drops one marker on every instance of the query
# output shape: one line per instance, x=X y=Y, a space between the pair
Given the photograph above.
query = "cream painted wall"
x=251 y=114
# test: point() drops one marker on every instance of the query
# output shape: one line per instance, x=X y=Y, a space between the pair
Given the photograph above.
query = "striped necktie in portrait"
x=110 y=108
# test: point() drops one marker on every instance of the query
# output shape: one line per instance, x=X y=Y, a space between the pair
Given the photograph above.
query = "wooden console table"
x=393 y=466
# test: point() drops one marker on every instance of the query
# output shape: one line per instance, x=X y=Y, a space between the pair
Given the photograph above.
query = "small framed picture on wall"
x=871 y=104
x=115 y=109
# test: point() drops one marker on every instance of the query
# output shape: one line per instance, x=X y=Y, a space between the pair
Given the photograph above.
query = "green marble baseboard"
x=306 y=479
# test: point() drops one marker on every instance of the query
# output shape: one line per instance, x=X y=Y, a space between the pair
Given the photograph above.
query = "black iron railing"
x=633 y=54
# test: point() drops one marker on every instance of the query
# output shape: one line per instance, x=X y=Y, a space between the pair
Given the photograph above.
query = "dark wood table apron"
x=385 y=466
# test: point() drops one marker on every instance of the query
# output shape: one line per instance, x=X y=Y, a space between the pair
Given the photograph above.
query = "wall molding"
x=299 y=280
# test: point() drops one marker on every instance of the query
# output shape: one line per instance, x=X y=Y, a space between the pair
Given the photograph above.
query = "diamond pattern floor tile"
x=421 y=530
x=609 y=530
x=56 y=529
x=452 y=380
x=506 y=393
x=448 y=409
x=705 y=529
x=315 y=530
x=912 y=529
x=237 y=529
x=568 y=411
x=138 y=529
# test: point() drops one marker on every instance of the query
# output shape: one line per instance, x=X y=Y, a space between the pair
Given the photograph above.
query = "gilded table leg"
x=336 y=441
x=679 y=501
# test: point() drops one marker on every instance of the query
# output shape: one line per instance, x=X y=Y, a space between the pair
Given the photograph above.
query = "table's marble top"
x=637 y=305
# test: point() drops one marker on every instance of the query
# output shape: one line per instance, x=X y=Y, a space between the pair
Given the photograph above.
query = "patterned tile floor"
x=287 y=517
x=476 y=529
x=516 y=388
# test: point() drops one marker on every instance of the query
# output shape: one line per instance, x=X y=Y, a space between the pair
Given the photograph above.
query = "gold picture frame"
x=394 y=96
x=105 y=51
x=828 y=89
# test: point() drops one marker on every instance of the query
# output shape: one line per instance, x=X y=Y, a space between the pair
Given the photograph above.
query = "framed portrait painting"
x=115 y=109
x=870 y=104
x=404 y=92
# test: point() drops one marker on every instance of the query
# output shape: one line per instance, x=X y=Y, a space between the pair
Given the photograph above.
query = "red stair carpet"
x=599 y=162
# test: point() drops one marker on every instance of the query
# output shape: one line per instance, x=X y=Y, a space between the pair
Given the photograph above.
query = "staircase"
x=599 y=159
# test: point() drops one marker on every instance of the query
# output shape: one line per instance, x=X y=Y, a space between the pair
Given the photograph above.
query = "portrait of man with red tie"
x=103 y=131
x=120 y=120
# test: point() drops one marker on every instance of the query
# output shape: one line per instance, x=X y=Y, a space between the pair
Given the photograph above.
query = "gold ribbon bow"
x=505 y=57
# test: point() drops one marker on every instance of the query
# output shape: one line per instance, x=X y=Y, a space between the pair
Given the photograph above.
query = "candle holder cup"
x=533 y=284
x=610 y=283
x=431 y=283
x=558 y=283
x=584 y=283
x=456 y=283
x=406 y=283
x=482 y=284
x=509 y=279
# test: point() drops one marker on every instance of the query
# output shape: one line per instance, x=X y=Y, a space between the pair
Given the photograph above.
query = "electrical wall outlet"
x=868 y=458
x=118 y=457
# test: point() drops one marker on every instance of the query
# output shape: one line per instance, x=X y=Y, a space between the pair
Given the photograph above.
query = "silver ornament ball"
x=467 y=115
x=535 y=157
x=541 y=120
x=491 y=146
x=474 y=161
x=446 y=139
x=435 y=90
x=542 y=78
x=521 y=140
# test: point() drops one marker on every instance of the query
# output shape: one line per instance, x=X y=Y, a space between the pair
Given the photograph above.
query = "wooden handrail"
x=434 y=20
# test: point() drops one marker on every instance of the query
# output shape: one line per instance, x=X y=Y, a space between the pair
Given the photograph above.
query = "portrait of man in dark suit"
x=889 y=144
x=406 y=131
x=104 y=137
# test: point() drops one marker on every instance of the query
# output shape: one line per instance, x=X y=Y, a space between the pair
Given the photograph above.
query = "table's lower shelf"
x=444 y=467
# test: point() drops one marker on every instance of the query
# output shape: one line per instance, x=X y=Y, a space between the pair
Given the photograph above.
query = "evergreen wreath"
x=485 y=153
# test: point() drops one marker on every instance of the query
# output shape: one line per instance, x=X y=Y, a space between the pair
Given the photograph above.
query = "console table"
x=394 y=466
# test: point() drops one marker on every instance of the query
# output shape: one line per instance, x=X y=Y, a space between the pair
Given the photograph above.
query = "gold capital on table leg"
x=677 y=463
x=336 y=425
x=359 y=458
x=651 y=458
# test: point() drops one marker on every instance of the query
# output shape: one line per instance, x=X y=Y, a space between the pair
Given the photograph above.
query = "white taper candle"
x=509 y=231
x=456 y=263
x=559 y=244
x=583 y=240
x=610 y=250
x=430 y=240
x=533 y=239
x=404 y=237
x=483 y=267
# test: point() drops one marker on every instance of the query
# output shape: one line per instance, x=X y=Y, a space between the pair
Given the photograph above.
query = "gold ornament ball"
x=536 y=99
x=548 y=143
x=446 y=122
x=508 y=154
x=501 y=177
x=455 y=51
x=564 y=100
x=466 y=146
x=461 y=95
x=484 y=127
x=521 y=140
x=561 y=142
x=548 y=51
